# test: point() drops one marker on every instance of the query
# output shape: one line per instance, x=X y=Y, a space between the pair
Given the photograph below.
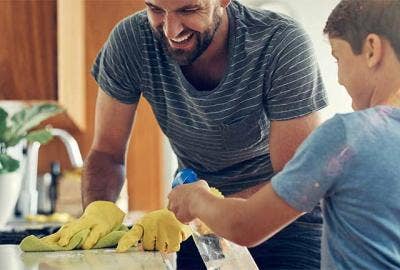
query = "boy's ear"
x=225 y=3
x=373 y=50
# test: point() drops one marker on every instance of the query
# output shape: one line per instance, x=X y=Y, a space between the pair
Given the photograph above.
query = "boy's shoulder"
x=371 y=117
x=364 y=126
x=345 y=125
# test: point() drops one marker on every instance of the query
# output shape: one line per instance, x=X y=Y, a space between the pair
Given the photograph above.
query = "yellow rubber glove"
x=100 y=217
x=200 y=226
x=157 y=230
x=216 y=192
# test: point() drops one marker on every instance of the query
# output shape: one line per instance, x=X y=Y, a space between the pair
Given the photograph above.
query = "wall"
x=313 y=15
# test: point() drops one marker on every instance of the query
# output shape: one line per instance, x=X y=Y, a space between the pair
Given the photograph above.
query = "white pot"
x=10 y=185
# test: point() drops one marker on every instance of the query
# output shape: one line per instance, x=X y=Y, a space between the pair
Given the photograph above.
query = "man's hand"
x=101 y=217
x=157 y=230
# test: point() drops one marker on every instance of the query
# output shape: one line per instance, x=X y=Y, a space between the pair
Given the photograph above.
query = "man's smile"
x=181 y=42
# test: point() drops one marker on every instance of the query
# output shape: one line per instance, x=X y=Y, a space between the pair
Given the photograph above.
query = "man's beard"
x=202 y=41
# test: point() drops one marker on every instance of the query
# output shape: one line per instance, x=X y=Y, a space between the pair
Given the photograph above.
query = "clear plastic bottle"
x=216 y=252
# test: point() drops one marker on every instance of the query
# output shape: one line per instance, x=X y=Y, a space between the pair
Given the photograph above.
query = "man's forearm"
x=103 y=177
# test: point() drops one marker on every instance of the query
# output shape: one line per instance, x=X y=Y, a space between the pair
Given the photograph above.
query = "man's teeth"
x=178 y=40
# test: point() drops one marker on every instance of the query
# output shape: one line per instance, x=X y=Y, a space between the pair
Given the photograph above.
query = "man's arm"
x=286 y=136
x=104 y=170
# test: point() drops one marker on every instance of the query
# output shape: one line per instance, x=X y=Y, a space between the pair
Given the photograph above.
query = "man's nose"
x=172 y=25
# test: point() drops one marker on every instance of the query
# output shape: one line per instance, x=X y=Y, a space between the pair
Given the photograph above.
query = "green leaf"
x=14 y=140
x=3 y=122
x=28 y=118
x=8 y=164
x=42 y=136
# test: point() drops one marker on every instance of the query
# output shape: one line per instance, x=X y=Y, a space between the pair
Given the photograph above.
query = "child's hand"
x=182 y=199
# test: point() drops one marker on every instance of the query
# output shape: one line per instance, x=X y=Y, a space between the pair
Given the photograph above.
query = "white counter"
x=12 y=258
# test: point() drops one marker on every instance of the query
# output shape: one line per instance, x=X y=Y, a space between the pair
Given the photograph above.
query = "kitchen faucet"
x=28 y=200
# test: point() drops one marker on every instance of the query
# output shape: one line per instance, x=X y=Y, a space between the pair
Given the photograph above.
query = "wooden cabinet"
x=47 y=48
x=28 y=52
x=42 y=55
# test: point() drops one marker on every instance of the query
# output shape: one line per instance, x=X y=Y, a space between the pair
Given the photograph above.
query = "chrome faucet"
x=28 y=200
x=71 y=144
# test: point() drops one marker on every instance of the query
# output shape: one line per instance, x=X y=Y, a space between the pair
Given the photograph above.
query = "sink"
x=18 y=228
x=15 y=235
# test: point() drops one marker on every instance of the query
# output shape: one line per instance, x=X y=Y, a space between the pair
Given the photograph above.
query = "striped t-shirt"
x=223 y=133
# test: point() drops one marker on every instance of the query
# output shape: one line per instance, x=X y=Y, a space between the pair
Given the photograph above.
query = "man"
x=234 y=89
x=351 y=162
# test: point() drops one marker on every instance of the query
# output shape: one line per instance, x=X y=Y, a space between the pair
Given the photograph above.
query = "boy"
x=351 y=162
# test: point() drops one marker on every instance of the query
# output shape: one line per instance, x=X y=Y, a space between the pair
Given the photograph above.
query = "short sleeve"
x=296 y=86
x=117 y=66
x=315 y=168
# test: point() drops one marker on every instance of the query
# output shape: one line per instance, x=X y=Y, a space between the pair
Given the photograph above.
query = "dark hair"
x=353 y=20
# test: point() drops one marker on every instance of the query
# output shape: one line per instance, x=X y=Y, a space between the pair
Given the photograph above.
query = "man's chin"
x=182 y=60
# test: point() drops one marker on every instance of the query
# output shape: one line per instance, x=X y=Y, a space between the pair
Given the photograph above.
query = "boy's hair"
x=353 y=20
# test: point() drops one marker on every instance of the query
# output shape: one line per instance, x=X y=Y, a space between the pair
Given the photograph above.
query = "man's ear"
x=373 y=50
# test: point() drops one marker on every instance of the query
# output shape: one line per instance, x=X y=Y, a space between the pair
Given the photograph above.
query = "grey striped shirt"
x=222 y=134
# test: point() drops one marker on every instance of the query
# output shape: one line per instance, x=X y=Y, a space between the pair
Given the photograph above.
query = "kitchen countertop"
x=12 y=258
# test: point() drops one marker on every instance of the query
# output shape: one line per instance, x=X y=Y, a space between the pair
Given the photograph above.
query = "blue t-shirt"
x=223 y=133
x=352 y=164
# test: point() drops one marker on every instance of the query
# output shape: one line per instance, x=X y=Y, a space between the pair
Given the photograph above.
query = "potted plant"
x=14 y=131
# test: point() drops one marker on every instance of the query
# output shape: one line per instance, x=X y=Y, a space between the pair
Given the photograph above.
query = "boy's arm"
x=245 y=222
x=317 y=169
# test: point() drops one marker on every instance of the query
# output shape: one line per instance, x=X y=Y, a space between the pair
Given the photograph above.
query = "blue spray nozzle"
x=184 y=176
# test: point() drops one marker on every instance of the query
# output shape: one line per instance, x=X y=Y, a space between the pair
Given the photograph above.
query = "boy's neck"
x=387 y=83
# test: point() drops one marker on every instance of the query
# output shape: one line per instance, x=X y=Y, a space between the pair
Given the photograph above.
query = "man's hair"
x=353 y=20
